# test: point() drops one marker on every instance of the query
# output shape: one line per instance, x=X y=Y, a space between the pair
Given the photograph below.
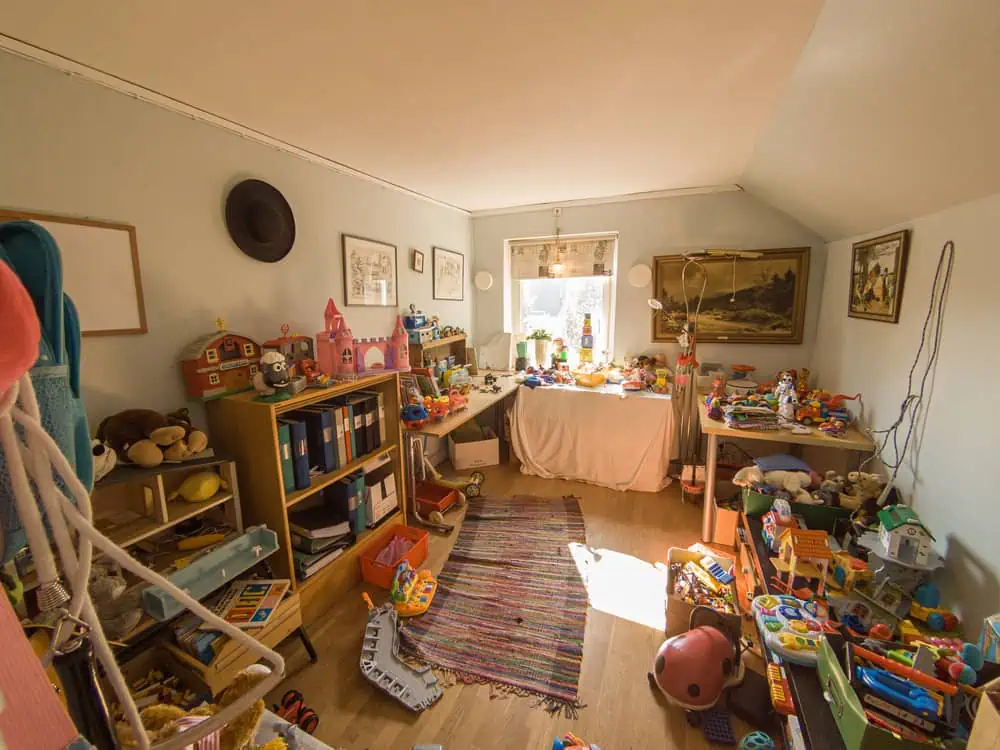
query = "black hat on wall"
x=260 y=221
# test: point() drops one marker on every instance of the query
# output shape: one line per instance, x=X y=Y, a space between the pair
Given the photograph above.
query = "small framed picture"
x=878 y=269
x=449 y=274
x=417 y=260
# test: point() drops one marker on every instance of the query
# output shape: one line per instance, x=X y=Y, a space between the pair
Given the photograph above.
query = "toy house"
x=344 y=357
x=903 y=537
x=219 y=364
x=295 y=348
x=848 y=572
x=806 y=553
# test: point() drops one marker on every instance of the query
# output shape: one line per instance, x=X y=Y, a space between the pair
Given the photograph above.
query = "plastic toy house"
x=344 y=357
x=219 y=363
x=805 y=553
x=295 y=348
x=903 y=537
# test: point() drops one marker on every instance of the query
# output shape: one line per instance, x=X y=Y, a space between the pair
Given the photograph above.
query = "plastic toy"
x=693 y=669
x=415 y=318
x=294 y=710
x=412 y=592
x=272 y=381
x=416 y=689
x=899 y=692
x=781 y=696
x=716 y=725
x=903 y=537
x=438 y=408
x=791 y=627
x=456 y=400
x=344 y=357
x=723 y=576
x=937 y=619
x=219 y=364
x=757 y=740
x=833 y=427
x=414 y=416
x=571 y=742
x=803 y=552
x=847 y=572
x=787 y=397
x=294 y=348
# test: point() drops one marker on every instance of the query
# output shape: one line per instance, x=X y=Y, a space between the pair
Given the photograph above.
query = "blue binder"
x=319 y=437
x=300 y=453
x=285 y=449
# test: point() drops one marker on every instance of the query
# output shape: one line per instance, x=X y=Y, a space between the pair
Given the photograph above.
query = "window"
x=211 y=355
x=253 y=370
x=213 y=378
x=248 y=350
x=559 y=305
x=557 y=281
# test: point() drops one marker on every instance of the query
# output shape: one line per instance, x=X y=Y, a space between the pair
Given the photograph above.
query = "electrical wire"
x=910 y=406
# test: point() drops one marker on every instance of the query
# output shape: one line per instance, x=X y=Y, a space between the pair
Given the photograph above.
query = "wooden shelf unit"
x=247 y=429
x=440 y=348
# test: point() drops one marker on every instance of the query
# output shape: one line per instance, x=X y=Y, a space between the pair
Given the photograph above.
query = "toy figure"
x=715 y=408
x=802 y=382
x=787 y=397
x=456 y=400
x=273 y=374
x=414 y=416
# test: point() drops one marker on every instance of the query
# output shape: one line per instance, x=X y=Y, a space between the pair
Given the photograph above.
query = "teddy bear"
x=830 y=488
x=148 y=438
x=793 y=482
x=862 y=489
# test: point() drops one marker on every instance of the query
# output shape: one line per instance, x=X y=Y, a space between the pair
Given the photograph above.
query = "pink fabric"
x=19 y=331
x=394 y=550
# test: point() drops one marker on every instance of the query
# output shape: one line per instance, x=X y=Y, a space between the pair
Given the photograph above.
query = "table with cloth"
x=596 y=435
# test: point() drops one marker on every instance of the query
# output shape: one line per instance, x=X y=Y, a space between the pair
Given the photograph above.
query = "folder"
x=285 y=450
x=338 y=434
x=357 y=404
x=319 y=436
x=300 y=453
x=351 y=424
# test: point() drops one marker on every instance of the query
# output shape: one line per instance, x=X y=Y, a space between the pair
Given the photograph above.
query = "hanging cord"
x=39 y=457
x=909 y=408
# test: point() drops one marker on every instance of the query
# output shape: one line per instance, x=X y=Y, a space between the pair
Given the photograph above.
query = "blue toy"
x=756 y=740
x=532 y=381
x=899 y=692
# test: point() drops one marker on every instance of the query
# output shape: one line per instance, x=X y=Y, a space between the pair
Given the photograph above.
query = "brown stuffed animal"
x=148 y=438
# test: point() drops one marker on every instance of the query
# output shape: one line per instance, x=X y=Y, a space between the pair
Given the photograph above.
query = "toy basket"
x=431 y=497
x=823 y=517
x=756 y=503
x=380 y=574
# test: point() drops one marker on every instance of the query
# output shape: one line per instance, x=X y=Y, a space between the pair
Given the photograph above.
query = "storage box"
x=431 y=497
x=985 y=733
x=855 y=730
x=381 y=574
x=472 y=453
x=756 y=503
x=678 y=611
x=726 y=521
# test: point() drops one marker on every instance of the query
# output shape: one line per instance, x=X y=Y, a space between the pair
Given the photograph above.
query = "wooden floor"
x=622 y=712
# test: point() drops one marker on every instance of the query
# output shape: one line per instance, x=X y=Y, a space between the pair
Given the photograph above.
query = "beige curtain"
x=567 y=257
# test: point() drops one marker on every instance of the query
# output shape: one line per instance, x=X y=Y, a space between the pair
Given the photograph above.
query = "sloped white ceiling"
x=478 y=103
x=886 y=110
x=893 y=112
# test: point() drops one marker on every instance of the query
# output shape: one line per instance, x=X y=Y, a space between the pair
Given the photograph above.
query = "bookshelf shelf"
x=421 y=353
x=247 y=430
x=321 y=481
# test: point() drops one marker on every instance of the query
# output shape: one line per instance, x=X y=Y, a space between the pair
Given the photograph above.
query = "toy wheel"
x=436 y=517
x=308 y=721
x=477 y=477
x=472 y=490
x=290 y=698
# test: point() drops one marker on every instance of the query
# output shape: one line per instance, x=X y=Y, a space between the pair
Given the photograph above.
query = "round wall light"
x=483 y=280
x=639 y=275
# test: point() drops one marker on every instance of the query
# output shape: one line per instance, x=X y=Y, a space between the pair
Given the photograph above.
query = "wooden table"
x=478 y=403
x=852 y=440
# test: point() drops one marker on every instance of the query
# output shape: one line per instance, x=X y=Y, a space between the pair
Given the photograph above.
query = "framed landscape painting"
x=758 y=300
x=878 y=269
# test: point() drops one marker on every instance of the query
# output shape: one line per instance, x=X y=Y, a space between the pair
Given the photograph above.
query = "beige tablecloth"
x=595 y=435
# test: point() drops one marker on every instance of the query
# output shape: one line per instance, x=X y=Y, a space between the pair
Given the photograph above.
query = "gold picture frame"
x=759 y=300
x=878 y=270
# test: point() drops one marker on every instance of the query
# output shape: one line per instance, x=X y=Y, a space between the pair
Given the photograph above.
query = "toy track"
x=416 y=689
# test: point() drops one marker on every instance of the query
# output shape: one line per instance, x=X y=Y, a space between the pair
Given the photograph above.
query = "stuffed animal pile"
x=148 y=438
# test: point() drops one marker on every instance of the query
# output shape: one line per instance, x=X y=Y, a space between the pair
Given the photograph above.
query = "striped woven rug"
x=510 y=608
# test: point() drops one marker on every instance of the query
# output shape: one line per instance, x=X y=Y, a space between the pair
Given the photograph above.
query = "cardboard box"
x=986 y=728
x=726 y=521
x=678 y=611
x=468 y=454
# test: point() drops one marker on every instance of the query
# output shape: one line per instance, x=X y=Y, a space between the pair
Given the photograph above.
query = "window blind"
x=563 y=257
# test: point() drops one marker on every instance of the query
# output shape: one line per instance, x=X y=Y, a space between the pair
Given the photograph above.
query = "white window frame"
x=514 y=291
x=211 y=355
x=214 y=378
x=248 y=349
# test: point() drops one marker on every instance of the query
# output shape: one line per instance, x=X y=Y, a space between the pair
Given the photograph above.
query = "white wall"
x=658 y=227
x=72 y=147
x=946 y=476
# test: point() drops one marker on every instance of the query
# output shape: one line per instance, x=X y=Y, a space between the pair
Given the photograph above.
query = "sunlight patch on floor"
x=622 y=585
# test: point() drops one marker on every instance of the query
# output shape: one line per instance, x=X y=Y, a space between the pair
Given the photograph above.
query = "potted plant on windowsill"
x=542 y=339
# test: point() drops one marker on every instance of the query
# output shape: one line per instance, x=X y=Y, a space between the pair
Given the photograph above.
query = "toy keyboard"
x=781 y=697
x=790 y=627
x=420 y=596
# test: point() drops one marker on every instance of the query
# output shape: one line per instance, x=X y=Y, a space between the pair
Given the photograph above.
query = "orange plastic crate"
x=381 y=575
x=432 y=496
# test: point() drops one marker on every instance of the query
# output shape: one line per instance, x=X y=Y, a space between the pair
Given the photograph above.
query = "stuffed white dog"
x=795 y=482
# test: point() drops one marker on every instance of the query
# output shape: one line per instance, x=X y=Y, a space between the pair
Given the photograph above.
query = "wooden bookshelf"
x=247 y=429
x=439 y=348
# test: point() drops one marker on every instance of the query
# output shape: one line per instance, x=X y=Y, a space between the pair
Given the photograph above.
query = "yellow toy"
x=199 y=487
x=803 y=553
x=847 y=571
x=411 y=592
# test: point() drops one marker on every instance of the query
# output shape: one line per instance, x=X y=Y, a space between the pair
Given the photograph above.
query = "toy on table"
x=586 y=340
x=294 y=348
x=833 y=428
x=786 y=395
x=847 y=572
x=570 y=741
x=414 y=416
x=781 y=696
x=903 y=537
x=219 y=364
x=456 y=401
x=791 y=627
x=344 y=357
x=438 y=408
x=412 y=592
x=416 y=689
x=804 y=553
x=273 y=381
x=743 y=372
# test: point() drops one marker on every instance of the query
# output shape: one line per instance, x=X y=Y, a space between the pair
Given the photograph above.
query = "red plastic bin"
x=432 y=496
x=378 y=574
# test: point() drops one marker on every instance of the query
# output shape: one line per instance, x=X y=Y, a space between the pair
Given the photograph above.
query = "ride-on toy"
x=422 y=469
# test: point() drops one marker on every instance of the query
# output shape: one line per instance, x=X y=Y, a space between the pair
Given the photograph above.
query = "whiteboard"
x=100 y=262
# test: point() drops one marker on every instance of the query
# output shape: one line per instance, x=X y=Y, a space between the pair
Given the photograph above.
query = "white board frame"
x=139 y=312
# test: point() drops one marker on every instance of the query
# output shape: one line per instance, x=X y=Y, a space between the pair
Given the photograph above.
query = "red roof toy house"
x=219 y=364
x=296 y=349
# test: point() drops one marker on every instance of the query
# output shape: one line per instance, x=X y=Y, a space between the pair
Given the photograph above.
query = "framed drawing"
x=878 y=269
x=100 y=266
x=417 y=260
x=759 y=300
x=370 y=274
x=449 y=274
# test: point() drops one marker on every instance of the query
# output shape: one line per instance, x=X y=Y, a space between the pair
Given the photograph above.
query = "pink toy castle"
x=344 y=357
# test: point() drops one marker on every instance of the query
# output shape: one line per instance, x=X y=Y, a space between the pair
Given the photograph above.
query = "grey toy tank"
x=380 y=663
